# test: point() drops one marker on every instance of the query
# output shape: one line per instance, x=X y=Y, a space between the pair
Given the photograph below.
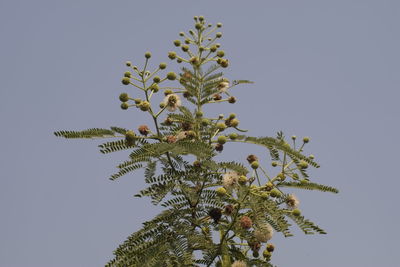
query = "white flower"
x=223 y=86
x=181 y=135
x=230 y=179
x=172 y=102
x=292 y=202
x=264 y=233
x=239 y=264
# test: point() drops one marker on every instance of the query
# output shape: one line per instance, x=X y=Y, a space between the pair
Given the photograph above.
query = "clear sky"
x=324 y=69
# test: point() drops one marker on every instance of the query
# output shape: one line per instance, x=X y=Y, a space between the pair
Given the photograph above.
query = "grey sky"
x=325 y=69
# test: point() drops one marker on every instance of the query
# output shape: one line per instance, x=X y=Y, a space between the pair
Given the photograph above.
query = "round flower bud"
x=232 y=100
x=275 y=193
x=246 y=222
x=232 y=116
x=201 y=18
x=187 y=41
x=256 y=254
x=185 y=48
x=242 y=180
x=155 y=88
x=202 y=48
x=294 y=137
x=186 y=94
x=144 y=130
x=172 y=55
x=295 y=176
x=127 y=74
x=218 y=35
x=130 y=136
x=222 y=139
x=233 y=136
x=198 y=26
x=168 y=92
x=218 y=45
x=251 y=158
x=126 y=81
x=267 y=254
x=128 y=63
x=162 y=65
x=234 y=122
x=219 y=24
x=179 y=60
x=199 y=114
x=255 y=165
x=221 y=191
x=220 y=53
x=221 y=126
x=224 y=63
x=269 y=186
x=304 y=181
x=147 y=55
x=194 y=60
x=303 y=164
x=181 y=33
x=270 y=247
x=205 y=122
x=156 y=79
x=281 y=176
x=219 y=147
x=311 y=156
x=213 y=48
x=124 y=106
x=162 y=105
x=217 y=97
x=220 y=116
x=274 y=164
x=144 y=106
x=171 y=76
x=124 y=97
x=177 y=43
x=306 y=139
x=264 y=195
x=296 y=212
x=137 y=101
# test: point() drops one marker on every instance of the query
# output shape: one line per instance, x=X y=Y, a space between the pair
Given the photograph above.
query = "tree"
x=223 y=213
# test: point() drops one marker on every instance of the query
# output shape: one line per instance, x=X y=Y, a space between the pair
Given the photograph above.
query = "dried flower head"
x=217 y=97
x=144 y=130
x=219 y=147
x=223 y=86
x=246 y=222
x=264 y=233
x=171 y=139
x=230 y=179
x=239 y=264
x=216 y=214
x=252 y=158
x=292 y=201
x=228 y=209
x=172 y=101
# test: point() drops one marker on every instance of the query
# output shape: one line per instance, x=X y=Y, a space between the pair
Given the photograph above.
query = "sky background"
x=324 y=69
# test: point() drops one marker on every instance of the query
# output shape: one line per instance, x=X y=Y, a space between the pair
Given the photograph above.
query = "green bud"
x=267 y=254
x=294 y=137
x=304 y=181
x=205 y=122
x=155 y=88
x=167 y=92
x=224 y=63
x=162 y=65
x=234 y=122
x=185 y=48
x=199 y=114
x=221 y=126
x=255 y=165
x=126 y=81
x=281 y=176
x=147 y=55
x=162 y=105
x=137 y=101
x=296 y=212
x=220 y=53
x=264 y=195
x=306 y=139
x=275 y=193
x=156 y=79
x=295 y=176
x=201 y=18
x=218 y=35
x=179 y=60
x=171 y=76
x=177 y=43
x=213 y=48
x=127 y=74
x=219 y=24
x=128 y=63
x=274 y=164
x=221 y=139
x=233 y=136
x=270 y=247
x=124 y=106
x=172 y=55
x=181 y=34
x=232 y=116
x=198 y=26
x=221 y=191
x=124 y=97
x=242 y=180
x=303 y=164
x=144 y=106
